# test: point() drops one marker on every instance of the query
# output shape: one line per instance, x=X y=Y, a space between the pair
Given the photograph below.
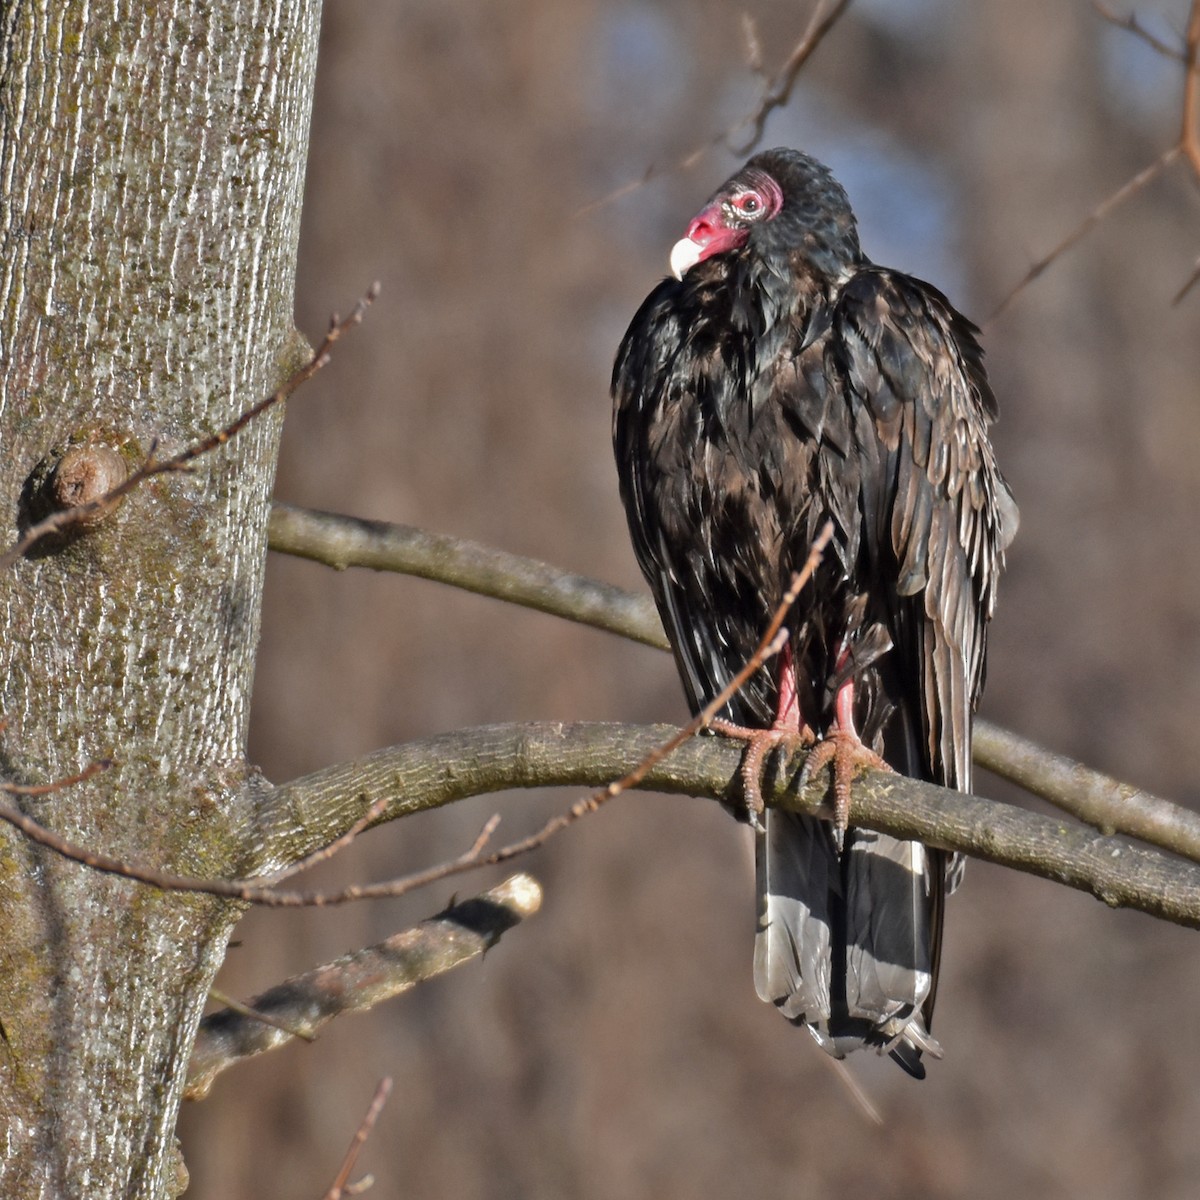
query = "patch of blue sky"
x=1144 y=83
x=913 y=19
x=639 y=67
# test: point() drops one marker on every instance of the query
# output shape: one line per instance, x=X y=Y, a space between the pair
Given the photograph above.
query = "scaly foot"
x=846 y=751
x=760 y=743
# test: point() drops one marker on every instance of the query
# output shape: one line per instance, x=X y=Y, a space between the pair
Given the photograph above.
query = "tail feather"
x=848 y=945
x=796 y=871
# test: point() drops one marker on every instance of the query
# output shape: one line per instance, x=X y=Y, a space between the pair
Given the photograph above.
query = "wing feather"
x=915 y=364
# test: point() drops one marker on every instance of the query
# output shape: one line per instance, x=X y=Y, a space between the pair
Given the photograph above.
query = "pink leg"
x=843 y=707
x=845 y=749
x=788 y=730
x=787 y=710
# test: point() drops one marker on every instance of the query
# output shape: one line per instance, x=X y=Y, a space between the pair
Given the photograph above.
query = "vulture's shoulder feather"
x=936 y=510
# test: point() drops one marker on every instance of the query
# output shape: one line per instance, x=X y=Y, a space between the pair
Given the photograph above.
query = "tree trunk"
x=151 y=165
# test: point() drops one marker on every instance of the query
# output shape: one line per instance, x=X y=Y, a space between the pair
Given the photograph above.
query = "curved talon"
x=760 y=743
x=846 y=751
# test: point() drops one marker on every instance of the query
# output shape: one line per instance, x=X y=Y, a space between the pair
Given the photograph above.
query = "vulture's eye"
x=748 y=204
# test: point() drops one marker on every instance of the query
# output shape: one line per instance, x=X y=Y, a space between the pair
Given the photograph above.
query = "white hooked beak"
x=685 y=254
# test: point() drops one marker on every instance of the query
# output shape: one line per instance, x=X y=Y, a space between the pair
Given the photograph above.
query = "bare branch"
x=448 y=767
x=1104 y=803
x=858 y=1094
x=1129 y=188
x=341 y=542
x=47 y=789
x=1131 y=24
x=255 y=890
x=779 y=88
x=301 y=816
x=1189 y=132
x=1189 y=136
x=339 y=1188
x=360 y=980
x=777 y=91
x=87 y=513
x=1187 y=146
x=219 y=997
x=345 y=541
x=754 y=54
x=1188 y=284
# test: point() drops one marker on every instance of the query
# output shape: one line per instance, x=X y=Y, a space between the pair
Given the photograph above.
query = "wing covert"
x=937 y=507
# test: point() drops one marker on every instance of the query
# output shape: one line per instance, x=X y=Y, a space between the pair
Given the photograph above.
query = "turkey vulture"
x=779 y=381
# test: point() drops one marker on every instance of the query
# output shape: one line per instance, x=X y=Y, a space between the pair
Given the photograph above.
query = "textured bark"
x=151 y=161
x=305 y=813
x=304 y=1004
x=341 y=542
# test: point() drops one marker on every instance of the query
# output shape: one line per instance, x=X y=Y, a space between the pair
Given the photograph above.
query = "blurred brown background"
x=613 y=1048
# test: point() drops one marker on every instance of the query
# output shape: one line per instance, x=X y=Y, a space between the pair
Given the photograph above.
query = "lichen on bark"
x=152 y=161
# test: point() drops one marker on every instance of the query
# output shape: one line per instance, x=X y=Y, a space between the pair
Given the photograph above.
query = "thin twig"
x=1189 y=283
x=249 y=890
x=1187 y=146
x=777 y=90
x=485 y=834
x=858 y=1094
x=1131 y=24
x=654 y=171
x=1129 y=188
x=382 y=1092
x=63 y=520
x=327 y=852
x=254 y=1014
x=46 y=789
x=754 y=54
x=255 y=891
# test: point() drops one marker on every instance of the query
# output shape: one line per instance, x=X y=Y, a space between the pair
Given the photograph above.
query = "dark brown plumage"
x=783 y=380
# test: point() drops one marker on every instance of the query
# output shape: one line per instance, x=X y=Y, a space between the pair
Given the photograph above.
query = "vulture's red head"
x=781 y=203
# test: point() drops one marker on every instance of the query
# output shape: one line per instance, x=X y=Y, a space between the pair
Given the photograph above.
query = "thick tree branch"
x=341 y=542
x=299 y=817
x=1092 y=797
x=440 y=770
x=359 y=980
